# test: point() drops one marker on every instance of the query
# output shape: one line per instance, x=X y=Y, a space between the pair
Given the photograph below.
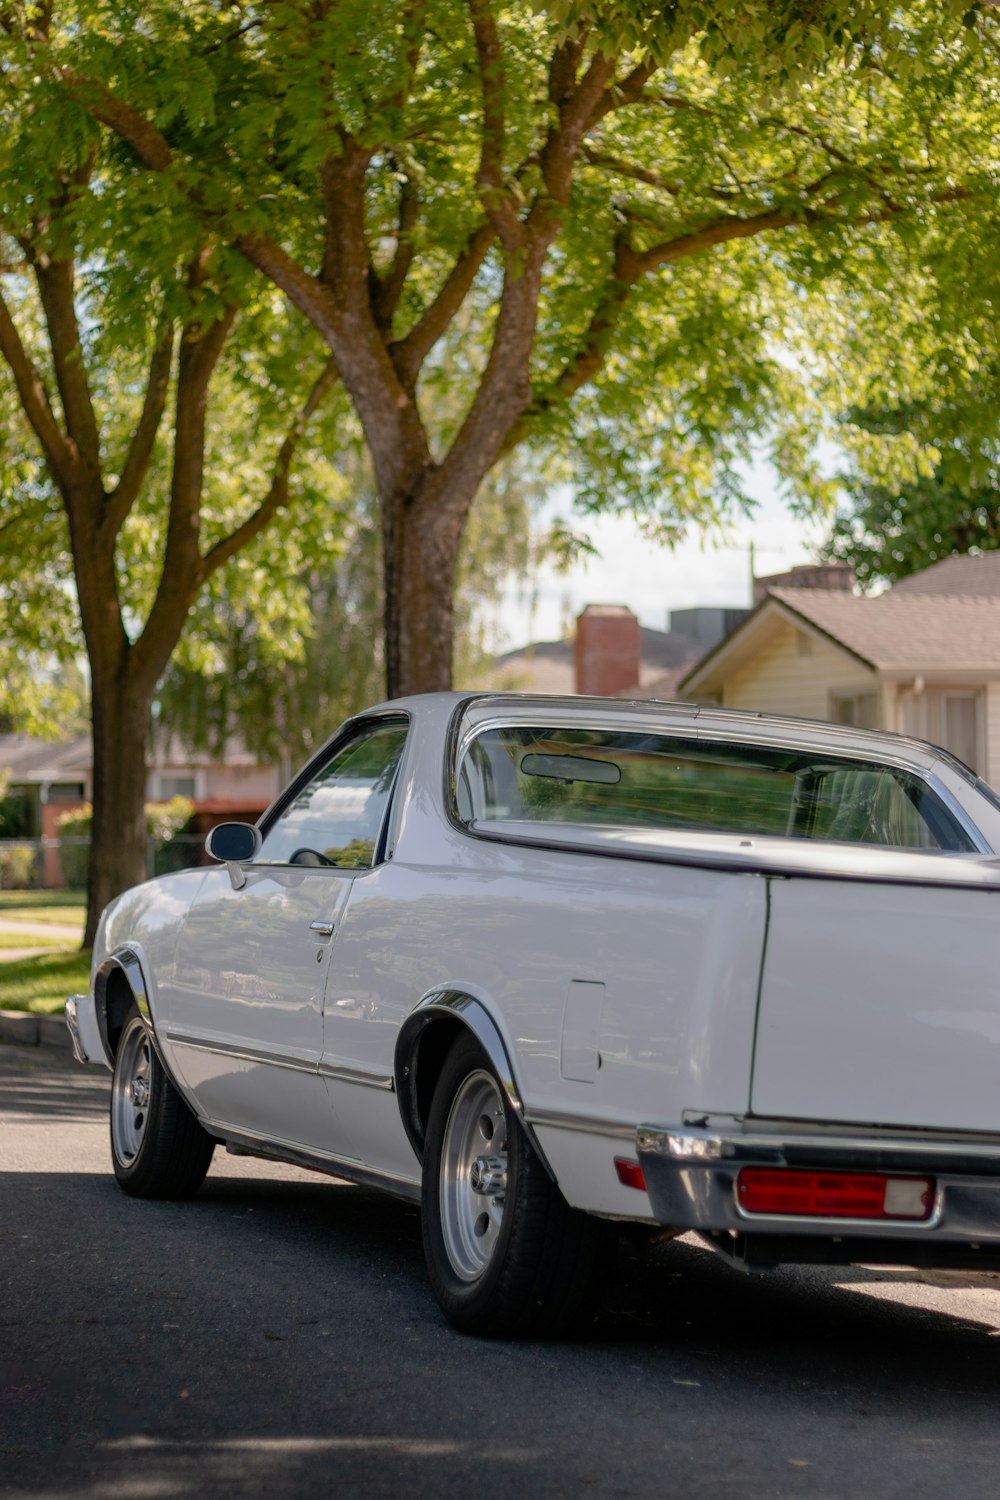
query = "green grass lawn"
x=41 y=984
x=28 y=940
x=66 y=908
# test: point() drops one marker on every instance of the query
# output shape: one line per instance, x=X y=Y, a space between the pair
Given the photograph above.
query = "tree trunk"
x=422 y=534
x=118 y=830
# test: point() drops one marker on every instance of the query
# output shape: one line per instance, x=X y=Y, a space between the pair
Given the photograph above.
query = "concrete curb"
x=26 y=1030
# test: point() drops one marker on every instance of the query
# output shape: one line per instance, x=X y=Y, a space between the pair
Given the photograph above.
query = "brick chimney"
x=607 y=649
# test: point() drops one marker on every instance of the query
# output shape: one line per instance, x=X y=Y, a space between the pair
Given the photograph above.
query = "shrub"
x=163 y=820
x=74 y=847
x=18 y=867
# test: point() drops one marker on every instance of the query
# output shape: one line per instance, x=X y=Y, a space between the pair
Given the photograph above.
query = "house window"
x=857 y=709
x=19 y=815
x=960 y=726
x=65 y=791
x=177 y=786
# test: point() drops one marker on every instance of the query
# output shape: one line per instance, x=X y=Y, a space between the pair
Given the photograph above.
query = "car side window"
x=335 y=819
x=657 y=781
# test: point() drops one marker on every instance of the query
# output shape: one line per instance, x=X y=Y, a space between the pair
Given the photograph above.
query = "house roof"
x=977 y=577
x=899 y=633
x=34 y=760
x=550 y=666
x=905 y=632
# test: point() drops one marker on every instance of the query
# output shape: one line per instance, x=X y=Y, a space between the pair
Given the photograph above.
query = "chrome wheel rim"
x=473 y=1181
x=130 y=1091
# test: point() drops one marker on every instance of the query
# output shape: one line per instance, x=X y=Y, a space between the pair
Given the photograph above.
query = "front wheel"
x=506 y=1255
x=158 y=1149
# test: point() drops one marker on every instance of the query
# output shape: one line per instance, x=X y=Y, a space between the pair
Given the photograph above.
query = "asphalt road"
x=276 y=1337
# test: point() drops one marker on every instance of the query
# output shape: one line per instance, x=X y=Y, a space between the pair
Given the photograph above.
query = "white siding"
x=796 y=673
x=991 y=765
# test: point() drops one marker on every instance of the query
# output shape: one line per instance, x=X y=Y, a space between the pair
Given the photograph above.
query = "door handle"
x=322 y=929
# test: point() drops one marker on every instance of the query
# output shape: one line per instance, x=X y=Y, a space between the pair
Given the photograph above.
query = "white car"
x=550 y=964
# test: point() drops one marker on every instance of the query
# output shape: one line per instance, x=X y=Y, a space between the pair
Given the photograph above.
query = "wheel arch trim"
x=455 y=1009
x=126 y=961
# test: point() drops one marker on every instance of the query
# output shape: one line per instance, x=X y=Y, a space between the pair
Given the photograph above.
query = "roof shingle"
x=908 y=630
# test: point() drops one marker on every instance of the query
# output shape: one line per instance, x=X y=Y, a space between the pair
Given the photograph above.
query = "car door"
x=244 y=1009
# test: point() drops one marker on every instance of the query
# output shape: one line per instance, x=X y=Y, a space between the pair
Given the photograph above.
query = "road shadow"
x=45 y=1084
x=277 y=1336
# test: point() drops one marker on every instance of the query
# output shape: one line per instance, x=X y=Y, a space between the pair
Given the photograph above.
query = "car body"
x=550 y=964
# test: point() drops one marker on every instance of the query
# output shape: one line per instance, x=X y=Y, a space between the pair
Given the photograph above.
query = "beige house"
x=921 y=659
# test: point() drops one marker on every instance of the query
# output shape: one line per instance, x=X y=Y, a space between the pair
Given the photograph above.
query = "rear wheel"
x=506 y=1255
x=158 y=1149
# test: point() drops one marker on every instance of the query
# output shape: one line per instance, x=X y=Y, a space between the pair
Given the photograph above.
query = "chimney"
x=607 y=650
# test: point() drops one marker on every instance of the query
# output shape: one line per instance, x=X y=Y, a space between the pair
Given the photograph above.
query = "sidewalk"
x=63 y=935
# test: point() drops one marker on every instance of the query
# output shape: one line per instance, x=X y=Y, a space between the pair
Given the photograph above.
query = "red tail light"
x=834 y=1195
x=630 y=1173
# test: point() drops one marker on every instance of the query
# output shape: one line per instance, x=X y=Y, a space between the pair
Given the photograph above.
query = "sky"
x=651 y=579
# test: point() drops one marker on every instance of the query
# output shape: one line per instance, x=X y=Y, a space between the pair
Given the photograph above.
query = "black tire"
x=158 y=1149
x=518 y=1265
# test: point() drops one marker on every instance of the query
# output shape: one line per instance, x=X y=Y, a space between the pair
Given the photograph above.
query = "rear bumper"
x=691 y=1174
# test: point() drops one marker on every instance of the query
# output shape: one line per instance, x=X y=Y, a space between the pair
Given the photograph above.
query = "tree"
x=282 y=684
x=888 y=530
x=560 y=179
x=138 y=508
x=911 y=382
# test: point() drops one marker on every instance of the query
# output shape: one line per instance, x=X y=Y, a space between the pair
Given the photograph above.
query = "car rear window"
x=656 y=781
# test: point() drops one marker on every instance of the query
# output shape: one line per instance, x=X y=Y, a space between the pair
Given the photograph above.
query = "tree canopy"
x=646 y=237
x=598 y=221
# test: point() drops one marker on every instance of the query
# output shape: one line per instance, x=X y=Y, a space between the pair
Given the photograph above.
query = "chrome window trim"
x=268 y=819
x=742 y=725
x=459 y=745
x=958 y=812
x=952 y=875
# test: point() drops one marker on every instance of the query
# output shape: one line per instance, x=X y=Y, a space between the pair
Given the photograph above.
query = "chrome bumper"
x=691 y=1174
x=84 y=1032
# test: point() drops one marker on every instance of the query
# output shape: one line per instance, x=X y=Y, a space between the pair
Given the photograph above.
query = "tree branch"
x=140 y=452
x=304 y=291
x=277 y=494
x=134 y=129
x=56 y=289
x=629 y=91
x=182 y=573
x=35 y=402
x=563 y=67
x=387 y=289
x=409 y=353
x=500 y=206
x=558 y=156
x=630 y=265
x=629 y=169
x=345 y=253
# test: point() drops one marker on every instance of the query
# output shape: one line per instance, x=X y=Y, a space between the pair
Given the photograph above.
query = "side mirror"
x=233 y=844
